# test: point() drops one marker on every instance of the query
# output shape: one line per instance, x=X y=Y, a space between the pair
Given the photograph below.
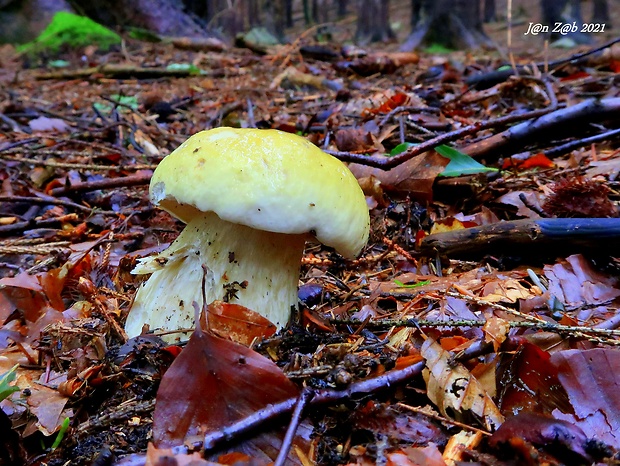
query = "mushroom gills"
x=254 y=268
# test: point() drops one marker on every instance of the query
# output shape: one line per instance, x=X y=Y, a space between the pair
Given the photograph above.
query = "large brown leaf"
x=213 y=383
x=591 y=378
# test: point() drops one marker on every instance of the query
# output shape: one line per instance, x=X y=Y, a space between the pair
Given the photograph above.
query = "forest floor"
x=479 y=324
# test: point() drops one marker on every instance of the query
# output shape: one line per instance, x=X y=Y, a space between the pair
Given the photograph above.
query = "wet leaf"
x=529 y=382
x=451 y=387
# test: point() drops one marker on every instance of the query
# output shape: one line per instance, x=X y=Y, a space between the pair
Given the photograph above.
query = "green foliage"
x=437 y=49
x=399 y=149
x=412 y=285
x=5 y=380
x=123 y=101
x=67 y=29
x=460 y=164
x=61 y=433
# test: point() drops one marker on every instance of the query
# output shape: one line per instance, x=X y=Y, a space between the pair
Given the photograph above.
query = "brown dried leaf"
x=591 y=378
x=415 y=176
x=566 y=439
x=47 y=405
x=238 y=323
x=450 y=386
x=576 y=283
x=213 y=383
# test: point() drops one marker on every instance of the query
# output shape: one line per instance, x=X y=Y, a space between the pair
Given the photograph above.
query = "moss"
x=67 y=29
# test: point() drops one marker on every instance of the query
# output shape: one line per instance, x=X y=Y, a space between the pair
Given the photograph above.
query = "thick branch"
x=561 y=122
x=517 y=237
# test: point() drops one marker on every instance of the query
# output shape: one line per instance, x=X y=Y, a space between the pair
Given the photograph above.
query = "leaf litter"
x=407 y=358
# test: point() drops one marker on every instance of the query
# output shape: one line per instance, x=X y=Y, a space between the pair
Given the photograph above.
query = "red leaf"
x=529 y=382
x=539 y=160
x=212 y=384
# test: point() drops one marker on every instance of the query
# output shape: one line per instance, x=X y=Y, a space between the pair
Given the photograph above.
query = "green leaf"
x=5 y=380
x=437 y=49
x=399 y=149
x=61 y=433
x=460 y=164
x=413 y=285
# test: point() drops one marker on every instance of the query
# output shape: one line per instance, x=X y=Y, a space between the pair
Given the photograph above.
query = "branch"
x=386 y=163
x=386 y=380
x=120 y=182
x=591 y=233
x=565 y=121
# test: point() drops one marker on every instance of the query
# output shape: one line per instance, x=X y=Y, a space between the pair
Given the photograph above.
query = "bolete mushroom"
x=249 y=198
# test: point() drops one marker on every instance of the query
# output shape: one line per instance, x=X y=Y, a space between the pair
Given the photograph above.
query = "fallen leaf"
x=415 y=176
x=238 y=323
x=576 y=283
x=566 y=439
x=591 y=378
x=49 y=124
x=212 y=384
x=528 y=381
x=450 y=386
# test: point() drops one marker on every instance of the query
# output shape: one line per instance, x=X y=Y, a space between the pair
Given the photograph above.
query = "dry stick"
x=46 y=200
x=121 y=182
x=44 y=223
x=564 y=120
x=572 y=145
x=304 y=398
x=391 y=162
x=78 y=166
x=594 y=334
x=15 y=144
x=386 y=380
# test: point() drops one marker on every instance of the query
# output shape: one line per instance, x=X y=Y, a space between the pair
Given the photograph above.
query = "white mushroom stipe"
x=254 y=268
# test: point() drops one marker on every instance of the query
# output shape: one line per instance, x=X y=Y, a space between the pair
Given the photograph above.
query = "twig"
x=391 y=162
x=78 y=166
x=46 y=200
x=47 y=222
x=439 y=418
x=304 y=398
x=108 y=183
x=15 y=144
x=386 y=380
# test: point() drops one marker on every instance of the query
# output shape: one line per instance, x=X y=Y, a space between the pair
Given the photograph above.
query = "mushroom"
x=249 y=198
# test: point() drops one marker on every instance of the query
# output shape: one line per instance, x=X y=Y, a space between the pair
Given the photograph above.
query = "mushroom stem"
x=254 y=268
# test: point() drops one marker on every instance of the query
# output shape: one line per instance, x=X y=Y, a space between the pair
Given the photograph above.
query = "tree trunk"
x=373 y=21
x=22 y=21
x=565 y=12
x=490 y=12
x=455 y=24
x=601 y=13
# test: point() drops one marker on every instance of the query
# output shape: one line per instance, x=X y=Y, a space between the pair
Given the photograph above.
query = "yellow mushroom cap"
x=265 y=179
